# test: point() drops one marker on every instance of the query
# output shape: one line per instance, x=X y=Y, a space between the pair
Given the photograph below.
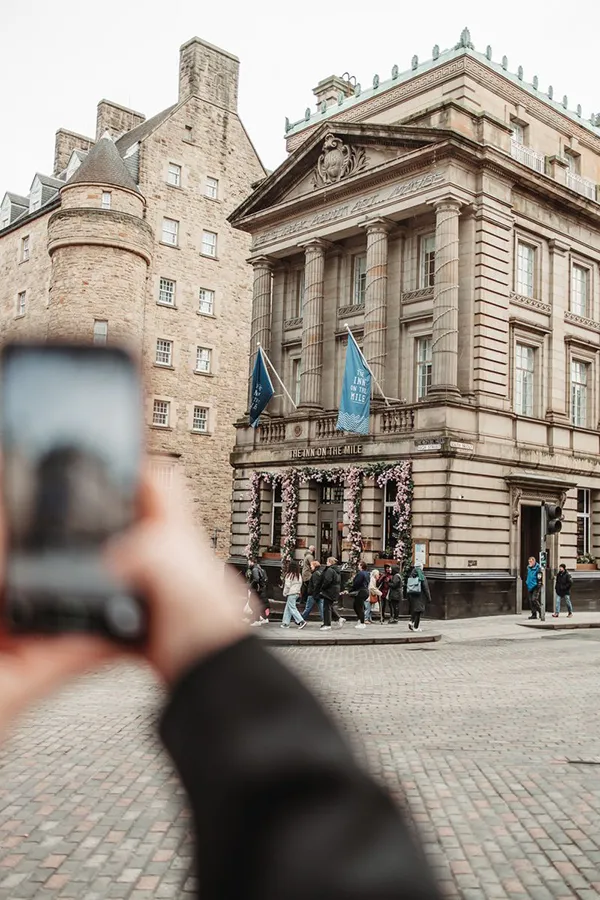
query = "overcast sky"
x=60 y=59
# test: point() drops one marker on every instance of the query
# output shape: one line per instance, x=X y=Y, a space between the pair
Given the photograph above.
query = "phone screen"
x=72 y=443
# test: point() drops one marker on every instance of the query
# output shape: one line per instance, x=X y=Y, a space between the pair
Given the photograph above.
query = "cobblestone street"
x=490 y=736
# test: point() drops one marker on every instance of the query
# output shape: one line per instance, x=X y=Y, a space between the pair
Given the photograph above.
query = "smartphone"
x=71 y=437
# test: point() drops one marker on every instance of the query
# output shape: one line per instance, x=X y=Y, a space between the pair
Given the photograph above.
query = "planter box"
x=269 y=555
x=381 y=561
x=587 y=567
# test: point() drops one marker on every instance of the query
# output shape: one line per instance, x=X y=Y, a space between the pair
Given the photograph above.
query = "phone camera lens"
x=124 y=616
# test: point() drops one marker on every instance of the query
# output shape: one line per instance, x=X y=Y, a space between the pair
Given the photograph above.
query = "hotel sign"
x=348 y=209
x=327 y=452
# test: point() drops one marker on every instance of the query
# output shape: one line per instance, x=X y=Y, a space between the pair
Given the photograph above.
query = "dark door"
x=531 y=535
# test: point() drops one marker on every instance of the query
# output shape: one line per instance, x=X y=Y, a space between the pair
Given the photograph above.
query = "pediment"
x=335 y=154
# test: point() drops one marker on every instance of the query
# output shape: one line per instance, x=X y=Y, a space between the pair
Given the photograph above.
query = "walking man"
x=259 y=602
x=314 y=589
x=330 y=591
x=309 y=558
x=359 y=591
x=534 y=587
x=562 y=588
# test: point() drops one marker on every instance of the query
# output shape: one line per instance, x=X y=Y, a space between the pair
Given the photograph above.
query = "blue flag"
x=262 y=389
x=355 y=404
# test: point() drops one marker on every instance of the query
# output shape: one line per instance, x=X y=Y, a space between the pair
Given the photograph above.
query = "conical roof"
x=103 y=165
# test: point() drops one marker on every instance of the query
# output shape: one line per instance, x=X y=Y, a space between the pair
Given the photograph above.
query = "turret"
x=100 y=246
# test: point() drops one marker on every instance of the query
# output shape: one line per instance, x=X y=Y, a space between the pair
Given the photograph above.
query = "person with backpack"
x=314 y=590
x=417 y=592
x=259 y=602
x=330 y=591
x=562 y=588
x=309 y=558
x=292 y=586
x=395 y=595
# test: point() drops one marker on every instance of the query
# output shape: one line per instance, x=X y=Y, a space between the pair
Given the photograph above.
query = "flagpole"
x=367 y=366
x=287 y=394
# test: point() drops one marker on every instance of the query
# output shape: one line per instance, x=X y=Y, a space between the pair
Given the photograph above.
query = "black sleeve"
x=282 y=811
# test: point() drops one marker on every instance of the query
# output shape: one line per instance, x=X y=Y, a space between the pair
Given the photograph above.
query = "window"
x=100 y=331
x=211 y=188
x=203 y=359
x=170 y=232
x=518 y=133
x=106 y=199
x=188 y=133
x=298 y=295
x=427 y=261
x=296 y=379
x=25 y=249
x=34 y=204
x=174 y=175
x=166 y=292
x=572 y=162
x=359 y=279
x=277 y=517
x=583 y=521
x=332 y=493
x=524 y=371
x=5 y=219
x=580 y=290
x=390 y=517
x=207 y=302
x=209 y=243
x=525 y=269
x=164 y=352
x=423 y=367
x=579 y=387
x=160 y=413
x=200 y=419
x=21 y=297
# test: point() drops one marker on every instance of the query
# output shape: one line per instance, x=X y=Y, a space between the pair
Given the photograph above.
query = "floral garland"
x=353 y=477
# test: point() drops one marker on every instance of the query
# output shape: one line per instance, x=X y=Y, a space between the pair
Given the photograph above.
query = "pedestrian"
x=359 y=591
x=417 y=592
x=534 y=587
x=330 y=592
x=309 y=558
x=383 y=583
x=261 y=762
x=314 y=590
x=562 y=588
x=259 y=601
x=373 y=598
x=395 y=595
x=292 y=585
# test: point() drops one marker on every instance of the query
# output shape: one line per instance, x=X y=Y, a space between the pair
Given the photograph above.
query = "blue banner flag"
x=355 y=404
x=262 y=389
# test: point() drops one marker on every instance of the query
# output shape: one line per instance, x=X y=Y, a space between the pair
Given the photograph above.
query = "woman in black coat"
x=417 y=592
x=395 y=595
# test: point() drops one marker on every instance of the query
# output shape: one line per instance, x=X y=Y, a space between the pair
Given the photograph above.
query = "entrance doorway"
x=331 y=521
x=531 y=536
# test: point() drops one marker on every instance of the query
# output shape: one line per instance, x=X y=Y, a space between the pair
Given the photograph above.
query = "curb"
x=558 y=626
x=310 y=641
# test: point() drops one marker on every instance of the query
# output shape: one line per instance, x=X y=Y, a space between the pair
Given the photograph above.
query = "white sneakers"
x=360 y=625
x=342 y=622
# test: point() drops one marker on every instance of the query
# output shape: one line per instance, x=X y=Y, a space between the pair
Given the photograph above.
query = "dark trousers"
x=358 y=604
x=329 y=612
x=394 y=609
x=415 y=618
x=534 y=602
x=304 y=591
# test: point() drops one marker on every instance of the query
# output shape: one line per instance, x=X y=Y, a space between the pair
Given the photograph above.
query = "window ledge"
x=208 y=256
x=419 y=294
x=161 y=427
x=170 y=246
x=530 y=303
x=158 y=365
x=190 y=141
x=206 y=374
x=20 y=315
x=583 y=321
x=353 y=309
x=206 y=315
x=21 y=261
x=203 y=433
x=166 y=305
x=212 y=199
x=178 y=187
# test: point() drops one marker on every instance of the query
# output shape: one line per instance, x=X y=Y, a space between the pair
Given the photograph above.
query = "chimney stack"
x=208 y=73
x=116 y=119
x=329 y=89
x=64 y=144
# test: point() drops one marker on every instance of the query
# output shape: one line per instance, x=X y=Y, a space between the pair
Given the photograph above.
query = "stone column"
x=444 y=344
x=556 y=397
x=375 y=320
x=312 y=323
x=260 y=329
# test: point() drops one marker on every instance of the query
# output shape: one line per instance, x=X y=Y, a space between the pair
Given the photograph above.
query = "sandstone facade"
x=101 y=255
x=453 y=210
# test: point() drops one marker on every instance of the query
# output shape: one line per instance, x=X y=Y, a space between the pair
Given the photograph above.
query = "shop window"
x=390 y=518
x=584 y=529
x=332 y=494
x=276 y=517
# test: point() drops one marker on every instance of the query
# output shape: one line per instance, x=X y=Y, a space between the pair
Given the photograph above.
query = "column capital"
x=261 y=262
x=558 y=246
x=379 y=225
x=447 y=203
x=316 y=244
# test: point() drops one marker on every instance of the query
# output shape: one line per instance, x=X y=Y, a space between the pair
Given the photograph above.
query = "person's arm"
x=282 y=810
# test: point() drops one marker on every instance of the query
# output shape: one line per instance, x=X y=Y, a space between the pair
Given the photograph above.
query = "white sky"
x=59 y=60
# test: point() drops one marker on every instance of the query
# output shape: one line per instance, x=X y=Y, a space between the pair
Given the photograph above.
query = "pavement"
x=489 y=738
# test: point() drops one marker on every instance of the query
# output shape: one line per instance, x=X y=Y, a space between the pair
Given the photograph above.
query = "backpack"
x=413 y=585
x=262 y=578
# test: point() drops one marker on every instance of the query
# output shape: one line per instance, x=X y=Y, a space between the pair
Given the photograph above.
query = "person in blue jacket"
x=534 y=587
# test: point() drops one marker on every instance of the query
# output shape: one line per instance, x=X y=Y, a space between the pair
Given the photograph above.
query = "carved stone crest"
x=338 y=160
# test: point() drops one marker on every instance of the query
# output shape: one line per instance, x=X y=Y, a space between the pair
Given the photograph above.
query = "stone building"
x=449 y=215
x=128 y=241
